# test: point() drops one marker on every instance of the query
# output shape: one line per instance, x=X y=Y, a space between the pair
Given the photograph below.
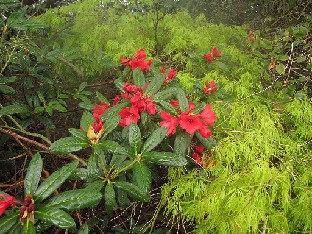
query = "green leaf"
x=78 y=134
x=301 y=59
x=7 y=222
x=112 y=147
x=79 y=174
x=133 y=191
x=75 y=199
x=95 y=185
x=165 y=158
x=155 y=84
x=54 y=181
x=182 y=100
x=92 y=167
x=82 y=86
x=182 y=143
x=6 y=89
x=138 y=78
x=33 y=174
x=154 y=139
x=168 y=107
x=209 y=143
x=68 y=145
x=17 y=228
x=86 y=120
x=110 y=198
x=101 y=97
x=112 y=112
x=165 y=94
x=84 y=229
x=111 y=124
x=55 y=216
x=280 y=68
x=135 y=136
x=142 y=176
x=15 y=109
x=28 y=228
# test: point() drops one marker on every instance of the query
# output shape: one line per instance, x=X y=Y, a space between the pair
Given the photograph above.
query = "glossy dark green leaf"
x=17 y=228
x=164 y=94
x=33 y=174
x=78 y=134
x=110 y=124
x=181 y=96
x=15 y=109
x=86 y=120
x=122 y=198
x=133 y=191
x=55 y=216
x=95 y=185
x=155 y=84
x=92 y=166
x=135 y=136
x=182 y=142
x=7 y=222
x=54 y=181
x=28 y=228
x=142 y=176
x=84 y=229
x=209 y=143
x=138 y=78
x=112 y=147
x=6 y=89
x=110 y=198
x=112 y=112
x=68 y=144
x=79 y=174
x=75 y=199
x=165 y=158
x=154 y=139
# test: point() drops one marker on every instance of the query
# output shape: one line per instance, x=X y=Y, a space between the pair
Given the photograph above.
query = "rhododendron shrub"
x=131 y=134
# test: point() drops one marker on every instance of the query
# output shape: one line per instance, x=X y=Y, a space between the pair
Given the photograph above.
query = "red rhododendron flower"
x=150 y=107
x=197 y=158
x=138 y=61
x=208 y=116
x=169 y=122
x=98 y=110
x=132 y=88
x=199 y=149
x=116 y=100
x=174 y=103
x=171 y=74
x=140 y=55
x=205 y=131
x=128 y=115
x=208 y=57
x=215 y=52
x=190 y=123
x=97 y=126
x=5 y=202
x=211 y=87
x=211 y=56
x=162 y=70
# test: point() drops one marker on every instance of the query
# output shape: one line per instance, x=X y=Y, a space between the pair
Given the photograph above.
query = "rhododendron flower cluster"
x=139 y=103
x=139 y=61
x=212 y=55
x=96 y=129
x=5 y=202
x=210 y=87
x=189 y=121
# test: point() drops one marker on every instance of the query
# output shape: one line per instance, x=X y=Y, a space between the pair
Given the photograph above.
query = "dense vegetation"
x=156 y=117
